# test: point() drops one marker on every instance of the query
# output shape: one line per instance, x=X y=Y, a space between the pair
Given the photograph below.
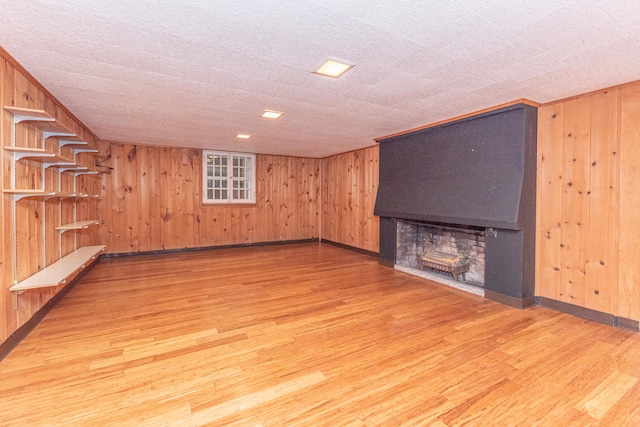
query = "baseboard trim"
x=628 y=324
x=21 y=333
x=585 y=313
x=351 y=248
x=520 y=303
x=208 y=248
x=589 y=314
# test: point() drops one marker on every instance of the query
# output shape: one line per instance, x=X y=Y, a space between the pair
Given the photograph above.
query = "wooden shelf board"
x=28 y=150
x=40 y=119
x=28 y=114
x=65 y=168
x=73 y=168
x=85 y=167
x=19 y=194
x=78 y=225
x=58 y=272
x=40 y=155
x=61 y=159
x=60 y=195
x=37 y=154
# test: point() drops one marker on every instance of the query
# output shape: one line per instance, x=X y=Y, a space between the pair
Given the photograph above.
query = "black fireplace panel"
x=508 y=273
x=388 y=235
x=469 y=172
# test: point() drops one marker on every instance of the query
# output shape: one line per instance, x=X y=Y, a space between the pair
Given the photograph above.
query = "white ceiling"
x=196 y=73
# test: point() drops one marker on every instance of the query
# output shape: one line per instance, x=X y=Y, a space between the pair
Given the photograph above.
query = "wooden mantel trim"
x=463 y=116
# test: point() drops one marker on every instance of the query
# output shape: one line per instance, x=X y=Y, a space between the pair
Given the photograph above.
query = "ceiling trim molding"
x=633 y=85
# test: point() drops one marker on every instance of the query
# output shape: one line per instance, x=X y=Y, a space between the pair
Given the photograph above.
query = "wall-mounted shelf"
x=84 y=150
x=58 y=272
x=37 y=154
x=48 y=158
x=71 y=167
x=73 y=142
x=86 y=171
x=60 y=195
x=40 y=119
x=21 y=194
x=77 y=225
x=29 y=114
x=77 y=143
x=60 y=162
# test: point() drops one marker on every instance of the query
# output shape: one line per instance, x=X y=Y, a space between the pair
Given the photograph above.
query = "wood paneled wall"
x=34 y=243
x=350 y=185
x=153 y=201
x=588 y=226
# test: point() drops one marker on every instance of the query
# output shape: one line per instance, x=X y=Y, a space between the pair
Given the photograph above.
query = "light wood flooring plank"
x=307 y=335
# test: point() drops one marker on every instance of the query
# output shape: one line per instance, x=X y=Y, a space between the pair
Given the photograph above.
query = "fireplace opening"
x=449 y=252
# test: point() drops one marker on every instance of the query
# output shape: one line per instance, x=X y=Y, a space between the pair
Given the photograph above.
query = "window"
x=228 y=177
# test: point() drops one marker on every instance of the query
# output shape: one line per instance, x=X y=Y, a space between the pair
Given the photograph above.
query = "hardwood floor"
x=308 y=335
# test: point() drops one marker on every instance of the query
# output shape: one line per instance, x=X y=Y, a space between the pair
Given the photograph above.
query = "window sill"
x=229 y=205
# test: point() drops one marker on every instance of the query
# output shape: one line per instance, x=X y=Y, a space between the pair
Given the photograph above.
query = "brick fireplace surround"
x=416 y=238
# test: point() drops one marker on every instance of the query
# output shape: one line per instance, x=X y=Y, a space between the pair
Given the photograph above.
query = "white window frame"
x=238 y=189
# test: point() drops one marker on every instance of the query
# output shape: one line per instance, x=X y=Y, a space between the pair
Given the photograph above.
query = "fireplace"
x=466 y=245
x=475 y=176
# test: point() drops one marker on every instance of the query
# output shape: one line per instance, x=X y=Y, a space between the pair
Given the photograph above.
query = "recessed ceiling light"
x=243 y=136
x=270 y=114
x=333 y=68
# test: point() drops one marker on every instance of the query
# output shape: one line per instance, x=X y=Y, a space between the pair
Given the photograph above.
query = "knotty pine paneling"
x=350 y=185
x=6 y=242
x=575 y=201
x=152 y=201
x=628 y=301
x=603 y=203
x=587 y=226
x=34 y=243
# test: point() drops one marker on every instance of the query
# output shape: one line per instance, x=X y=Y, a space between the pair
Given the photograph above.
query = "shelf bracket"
x=75 y=169
x=85 y=150
x=47 y=134
x=73 y=229
x=19 y=156
x=85 y=172
x=17 y=197
x=63 y=142
x=15 y=299
x=19 y=118
x=48 y=165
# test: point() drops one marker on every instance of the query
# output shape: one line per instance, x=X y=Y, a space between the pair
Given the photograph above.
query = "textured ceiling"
x=196 y=73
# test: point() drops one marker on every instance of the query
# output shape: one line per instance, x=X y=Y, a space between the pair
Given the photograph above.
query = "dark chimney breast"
x=478 y=171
